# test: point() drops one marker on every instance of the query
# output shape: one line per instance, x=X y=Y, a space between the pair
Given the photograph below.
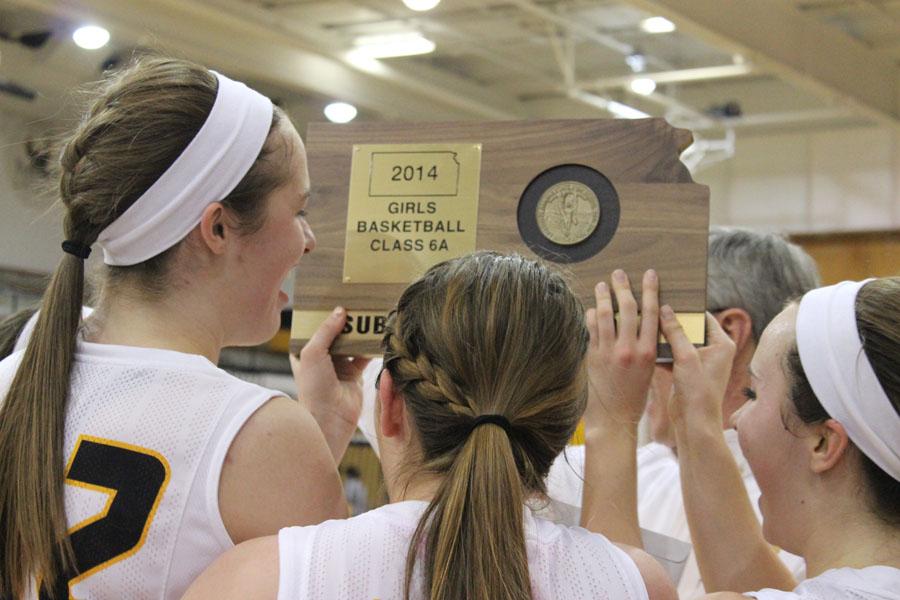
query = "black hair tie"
x=498 y=420
x=78 y=249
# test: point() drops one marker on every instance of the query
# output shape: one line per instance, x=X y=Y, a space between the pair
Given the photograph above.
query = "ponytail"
x=32 y=428
x=140 y=121
x=487 y=352
x=473 y=529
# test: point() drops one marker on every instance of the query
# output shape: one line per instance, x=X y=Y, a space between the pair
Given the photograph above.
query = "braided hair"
x=485 y=334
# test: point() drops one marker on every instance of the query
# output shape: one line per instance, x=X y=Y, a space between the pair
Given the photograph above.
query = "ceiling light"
x=636 y=61
x=616 y=109
x=340 y=112
x=91 y=37
x=421 y=5
x=623 y=111
x=643 y=86
x=389 y=46
x=657 y=25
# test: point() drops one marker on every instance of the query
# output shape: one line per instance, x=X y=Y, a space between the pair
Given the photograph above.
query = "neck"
x=848 y=536
x=418 y=486
x=180 y=321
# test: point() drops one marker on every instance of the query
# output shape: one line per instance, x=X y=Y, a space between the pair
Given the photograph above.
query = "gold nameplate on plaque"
x=361 y=325
x=368 y=326
x=410 y=207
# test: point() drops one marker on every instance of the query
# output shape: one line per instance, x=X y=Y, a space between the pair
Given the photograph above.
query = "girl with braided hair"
x=128 y=460
x=484 y=382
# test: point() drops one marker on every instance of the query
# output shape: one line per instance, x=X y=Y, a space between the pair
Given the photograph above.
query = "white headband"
x=842 y=377
x=211 y=166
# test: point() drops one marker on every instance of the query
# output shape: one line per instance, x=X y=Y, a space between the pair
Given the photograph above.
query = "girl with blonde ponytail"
x=128 y=460
x=484 y=382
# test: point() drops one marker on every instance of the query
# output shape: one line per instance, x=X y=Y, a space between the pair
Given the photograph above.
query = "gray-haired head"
x=758 y=272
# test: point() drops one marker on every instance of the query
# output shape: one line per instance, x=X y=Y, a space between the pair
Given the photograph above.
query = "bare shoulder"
x=279 y=459
x=280 y=414
x=282 y=428
x=659 y=586
x=249 y=571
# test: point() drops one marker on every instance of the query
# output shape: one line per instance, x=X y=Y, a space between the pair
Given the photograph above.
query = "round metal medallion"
x=568 y=213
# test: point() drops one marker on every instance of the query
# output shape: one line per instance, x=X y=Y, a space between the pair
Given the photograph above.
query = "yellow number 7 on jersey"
x=134 y=480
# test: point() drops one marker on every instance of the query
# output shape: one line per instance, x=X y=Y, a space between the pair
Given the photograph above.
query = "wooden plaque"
x=585 y=196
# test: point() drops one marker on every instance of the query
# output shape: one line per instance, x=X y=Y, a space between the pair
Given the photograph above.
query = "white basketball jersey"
x=364 y=558
x=869 y=583
x=660 y=504
x=146 y=434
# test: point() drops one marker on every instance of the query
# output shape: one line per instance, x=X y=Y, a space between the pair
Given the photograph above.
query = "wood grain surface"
x=663 y=223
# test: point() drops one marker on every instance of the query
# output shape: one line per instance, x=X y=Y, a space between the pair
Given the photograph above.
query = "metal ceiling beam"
x=415 y=76
x=802 y=50
x=674 y=76
x=869 y=7
x=477 y=47
x=583 y=91
x=585 y=31
x=472 y=45
x=681 y=114
x=252 y=50
x=792 y=118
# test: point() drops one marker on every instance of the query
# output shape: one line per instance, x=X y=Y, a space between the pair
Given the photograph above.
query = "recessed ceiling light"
x=421 y=5
x=657 y=25
x=392 y=45
x=340 y=112
x=643 y=86
x=90 y=37
x=636 y=61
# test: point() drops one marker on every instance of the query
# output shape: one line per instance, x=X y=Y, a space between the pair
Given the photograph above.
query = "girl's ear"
x=392 y=415
x=828 y=445
x=213 y=228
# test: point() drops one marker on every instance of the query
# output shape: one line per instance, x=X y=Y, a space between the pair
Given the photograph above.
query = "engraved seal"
x=549 y=189
x=568 y=213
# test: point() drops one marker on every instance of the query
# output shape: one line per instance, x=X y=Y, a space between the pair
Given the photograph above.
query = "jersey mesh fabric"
x=177 y=406
x=660 y=503
x=364 y=558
